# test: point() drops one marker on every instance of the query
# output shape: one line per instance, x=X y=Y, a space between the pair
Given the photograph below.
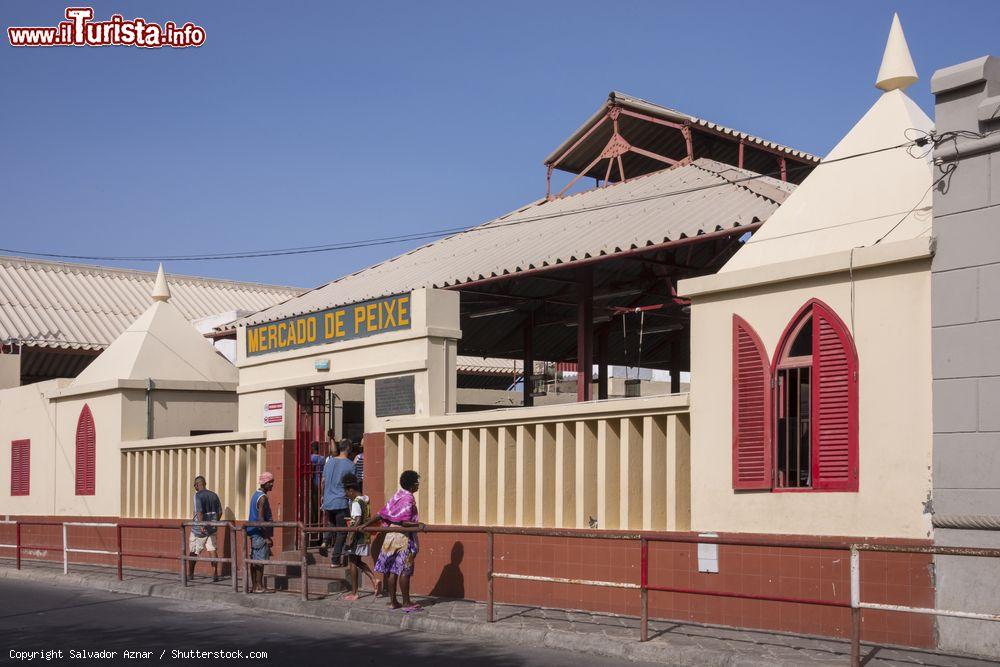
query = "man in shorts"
x=207 y=507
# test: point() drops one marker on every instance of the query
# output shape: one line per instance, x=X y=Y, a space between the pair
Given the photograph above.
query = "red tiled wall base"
x=280 y=458
x=374 y=447
x=455 y=566
x=45 y=542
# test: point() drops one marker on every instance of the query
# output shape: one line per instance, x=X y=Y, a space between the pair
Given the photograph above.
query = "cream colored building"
x=160 y=378
x=829 y=432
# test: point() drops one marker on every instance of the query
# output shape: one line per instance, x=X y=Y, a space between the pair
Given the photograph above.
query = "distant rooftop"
x=631 y=135
x=82 y=307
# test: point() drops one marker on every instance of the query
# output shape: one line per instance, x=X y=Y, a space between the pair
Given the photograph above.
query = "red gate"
x=314 y=419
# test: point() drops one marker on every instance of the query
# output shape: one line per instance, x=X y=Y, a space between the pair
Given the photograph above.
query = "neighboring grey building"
x=966 y=349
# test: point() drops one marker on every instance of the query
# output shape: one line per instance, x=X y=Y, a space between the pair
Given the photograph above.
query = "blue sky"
x=336 y=122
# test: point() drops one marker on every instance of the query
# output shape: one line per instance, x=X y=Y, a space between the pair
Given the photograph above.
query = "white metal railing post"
x=855 y=606
x=65 y=553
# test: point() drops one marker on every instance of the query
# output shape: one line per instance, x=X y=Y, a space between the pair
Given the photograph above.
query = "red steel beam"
x=655 y=156
x=579 y=141
x=579 y=176
x=652 y=119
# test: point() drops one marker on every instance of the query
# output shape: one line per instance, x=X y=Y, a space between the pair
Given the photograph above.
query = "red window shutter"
x=20 y=467
x=85 y=453
x=751 y=409
x=835 y=404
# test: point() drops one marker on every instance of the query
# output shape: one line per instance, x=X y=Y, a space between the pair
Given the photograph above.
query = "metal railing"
x=300 y=541
x=855 y=604
x=186 y=556
x=66 y=549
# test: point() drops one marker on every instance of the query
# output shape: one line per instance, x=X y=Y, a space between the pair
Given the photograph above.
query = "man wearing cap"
x=259 y=536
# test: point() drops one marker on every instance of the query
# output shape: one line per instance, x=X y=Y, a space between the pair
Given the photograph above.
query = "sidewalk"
x=595 y=634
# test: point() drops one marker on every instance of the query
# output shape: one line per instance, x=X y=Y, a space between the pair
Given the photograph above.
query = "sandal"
x=350 y=597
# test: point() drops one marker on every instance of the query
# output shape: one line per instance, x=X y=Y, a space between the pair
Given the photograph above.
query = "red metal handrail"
x=855 y=604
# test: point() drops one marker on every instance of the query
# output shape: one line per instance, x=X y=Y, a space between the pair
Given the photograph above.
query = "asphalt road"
x=44 y=617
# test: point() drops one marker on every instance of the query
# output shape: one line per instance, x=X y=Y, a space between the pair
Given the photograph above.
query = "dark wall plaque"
x=394 y=396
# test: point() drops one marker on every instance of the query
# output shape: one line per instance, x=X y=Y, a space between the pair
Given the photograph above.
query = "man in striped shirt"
x=359 y=465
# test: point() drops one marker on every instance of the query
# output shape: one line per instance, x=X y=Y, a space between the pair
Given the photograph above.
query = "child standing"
x=359 y=545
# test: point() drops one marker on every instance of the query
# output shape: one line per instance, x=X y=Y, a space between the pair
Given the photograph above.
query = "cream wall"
x=891 y=324
x=107 y=408
x=25 y=414
x=177 y=413
x=39 y=413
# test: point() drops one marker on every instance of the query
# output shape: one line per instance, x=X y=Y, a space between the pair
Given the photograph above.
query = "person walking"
x=260 y=536
x=359 y=544
x=207 y=507
x=316 y=461
x=335 y=503
x=359 y=466
x=399 y=550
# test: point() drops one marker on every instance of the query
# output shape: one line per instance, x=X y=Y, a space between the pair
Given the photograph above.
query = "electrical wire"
x=495 y=224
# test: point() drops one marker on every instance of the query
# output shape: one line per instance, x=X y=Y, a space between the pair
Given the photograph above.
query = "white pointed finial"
x=897 y=70
x=161 y=292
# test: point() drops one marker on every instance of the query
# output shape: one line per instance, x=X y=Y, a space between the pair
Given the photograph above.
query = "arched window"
x=815 y=399
x=85 y=453
x=795 y=420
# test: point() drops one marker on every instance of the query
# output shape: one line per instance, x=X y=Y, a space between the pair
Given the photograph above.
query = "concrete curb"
x=562 y=640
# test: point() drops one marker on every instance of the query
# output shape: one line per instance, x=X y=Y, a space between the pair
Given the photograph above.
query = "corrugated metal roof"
x=652 y=209
x=666 y=113
x=76 y=306
x=488 y=365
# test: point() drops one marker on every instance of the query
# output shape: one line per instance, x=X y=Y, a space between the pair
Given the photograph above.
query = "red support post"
x=304 y=562
x=784 y=168
x=739 y=161
x=644 y=590
x=184 y=574
x=246 y=564
x=234 y=542
x=118 y=540
x=688 y=141
x=602 y=362
x=489 y=577
x=528 y=360
x=584 y=332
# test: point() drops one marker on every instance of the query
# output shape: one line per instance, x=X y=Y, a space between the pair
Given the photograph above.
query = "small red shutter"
x=20 y=467
x=85 y=454
x=751 y=409
x=835 y=401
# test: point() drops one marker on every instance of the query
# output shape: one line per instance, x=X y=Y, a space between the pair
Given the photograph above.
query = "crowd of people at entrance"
x=338 y=482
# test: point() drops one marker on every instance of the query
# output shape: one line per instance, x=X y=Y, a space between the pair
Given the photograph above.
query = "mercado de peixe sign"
x=358 y=320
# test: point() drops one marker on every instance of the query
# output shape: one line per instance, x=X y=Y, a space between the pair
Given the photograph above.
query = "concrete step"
x=317 y=586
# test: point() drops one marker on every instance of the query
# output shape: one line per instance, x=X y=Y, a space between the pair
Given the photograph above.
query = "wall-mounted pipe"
x=149 y=408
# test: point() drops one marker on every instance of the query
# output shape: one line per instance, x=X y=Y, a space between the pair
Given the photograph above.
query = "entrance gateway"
x=345 y=368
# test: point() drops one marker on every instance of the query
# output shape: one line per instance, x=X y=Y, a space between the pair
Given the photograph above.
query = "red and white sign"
x=274 y=414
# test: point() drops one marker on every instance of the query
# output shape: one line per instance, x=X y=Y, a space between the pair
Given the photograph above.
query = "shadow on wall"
x=451 y=581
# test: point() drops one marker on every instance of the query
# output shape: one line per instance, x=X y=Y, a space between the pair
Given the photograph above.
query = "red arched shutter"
x=85 y=453
x=835 y=401
x=751 y=409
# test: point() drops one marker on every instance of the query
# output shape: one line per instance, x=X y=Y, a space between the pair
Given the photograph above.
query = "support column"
x=584 y=332
x=528 y=359
x=602 y=362
x=675 y=368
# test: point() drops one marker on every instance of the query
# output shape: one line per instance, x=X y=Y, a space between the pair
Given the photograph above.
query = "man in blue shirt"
x=335 y=504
